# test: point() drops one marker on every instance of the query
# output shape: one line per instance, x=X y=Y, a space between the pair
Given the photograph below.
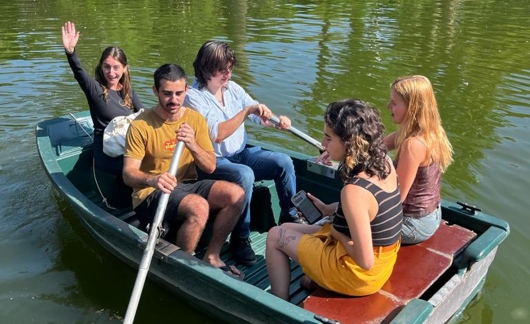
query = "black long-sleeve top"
x=101 y=111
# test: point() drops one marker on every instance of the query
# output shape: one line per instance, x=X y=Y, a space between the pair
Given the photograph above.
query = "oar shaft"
x=151 y=242
x=300 y=134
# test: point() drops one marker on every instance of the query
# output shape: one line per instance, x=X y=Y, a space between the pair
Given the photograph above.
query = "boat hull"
x=65 y=150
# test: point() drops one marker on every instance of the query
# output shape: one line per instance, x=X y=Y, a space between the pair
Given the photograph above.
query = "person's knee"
x=201 y=207
x=272 y=237
x=244 y=177
x=226 y=194
x=284 y=162
x=196 y=209
x=234 y=195
x=237 y=195
x=229 y=194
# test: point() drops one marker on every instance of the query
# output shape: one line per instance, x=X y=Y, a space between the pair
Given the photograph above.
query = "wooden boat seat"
x=417 y=268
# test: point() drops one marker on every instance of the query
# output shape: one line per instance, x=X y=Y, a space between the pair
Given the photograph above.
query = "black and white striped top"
x=386 y=226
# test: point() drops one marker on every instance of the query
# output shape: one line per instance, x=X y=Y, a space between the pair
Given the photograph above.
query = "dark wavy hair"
x=213 y=56
x=360 y=128
x=117 y=54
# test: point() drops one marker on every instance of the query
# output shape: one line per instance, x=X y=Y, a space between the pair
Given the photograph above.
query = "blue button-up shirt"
x=235 y=99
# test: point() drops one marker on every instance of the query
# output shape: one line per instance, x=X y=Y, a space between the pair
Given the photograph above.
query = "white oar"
x=300 y=134
x=151 y=242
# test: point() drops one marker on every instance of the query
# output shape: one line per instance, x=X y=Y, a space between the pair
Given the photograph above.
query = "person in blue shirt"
x=226 y=106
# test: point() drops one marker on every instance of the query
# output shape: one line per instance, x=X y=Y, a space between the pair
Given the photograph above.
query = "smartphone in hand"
x=306 y=207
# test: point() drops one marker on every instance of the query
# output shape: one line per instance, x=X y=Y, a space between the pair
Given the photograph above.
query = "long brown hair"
x=422 y=118
x=125 y=80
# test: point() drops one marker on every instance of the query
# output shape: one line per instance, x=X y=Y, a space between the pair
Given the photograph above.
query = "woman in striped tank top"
x=355 y=254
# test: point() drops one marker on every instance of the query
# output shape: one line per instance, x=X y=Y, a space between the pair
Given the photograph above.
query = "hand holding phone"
x=311 y=213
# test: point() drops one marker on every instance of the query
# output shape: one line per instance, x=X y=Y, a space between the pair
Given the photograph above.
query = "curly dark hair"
x=360 y=128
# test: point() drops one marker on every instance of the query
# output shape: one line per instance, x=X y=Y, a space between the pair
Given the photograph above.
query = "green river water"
x=296 y=57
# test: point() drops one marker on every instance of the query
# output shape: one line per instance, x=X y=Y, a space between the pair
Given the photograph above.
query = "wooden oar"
x=151 y=242
x=300 y=134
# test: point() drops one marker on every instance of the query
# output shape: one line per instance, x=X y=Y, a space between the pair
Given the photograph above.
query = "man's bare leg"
x=196 y=210
x=227 y=198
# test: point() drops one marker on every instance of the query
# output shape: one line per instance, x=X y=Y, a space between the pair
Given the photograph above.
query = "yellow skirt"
x=327 y=263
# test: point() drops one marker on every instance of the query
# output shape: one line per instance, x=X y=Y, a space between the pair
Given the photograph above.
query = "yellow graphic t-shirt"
x=152 y=140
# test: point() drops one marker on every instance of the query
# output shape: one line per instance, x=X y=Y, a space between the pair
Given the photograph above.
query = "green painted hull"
x=65 y=148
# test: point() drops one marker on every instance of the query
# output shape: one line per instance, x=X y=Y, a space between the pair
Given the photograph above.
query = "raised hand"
x=70 y=37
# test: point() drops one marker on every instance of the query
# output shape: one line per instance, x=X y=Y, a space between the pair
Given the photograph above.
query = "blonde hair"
x=422 y=119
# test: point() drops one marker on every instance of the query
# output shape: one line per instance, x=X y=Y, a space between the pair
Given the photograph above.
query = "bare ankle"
x=213 y=260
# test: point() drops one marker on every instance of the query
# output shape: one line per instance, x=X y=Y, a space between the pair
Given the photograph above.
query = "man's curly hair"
x=360 y=128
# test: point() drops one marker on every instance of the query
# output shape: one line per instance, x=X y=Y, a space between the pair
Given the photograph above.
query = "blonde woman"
x=423 y=153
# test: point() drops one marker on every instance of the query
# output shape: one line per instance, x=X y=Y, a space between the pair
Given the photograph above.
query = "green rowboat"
x=432 y=282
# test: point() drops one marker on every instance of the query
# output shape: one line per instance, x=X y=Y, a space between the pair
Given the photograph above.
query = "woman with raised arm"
x=109 y=94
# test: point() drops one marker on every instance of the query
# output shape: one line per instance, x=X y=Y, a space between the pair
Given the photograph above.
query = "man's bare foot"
x=229 y=270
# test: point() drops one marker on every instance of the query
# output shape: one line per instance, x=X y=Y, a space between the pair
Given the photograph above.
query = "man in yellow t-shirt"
x=150 y=142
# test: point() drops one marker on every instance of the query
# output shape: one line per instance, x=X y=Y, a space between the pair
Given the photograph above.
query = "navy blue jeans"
x=255 y=164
